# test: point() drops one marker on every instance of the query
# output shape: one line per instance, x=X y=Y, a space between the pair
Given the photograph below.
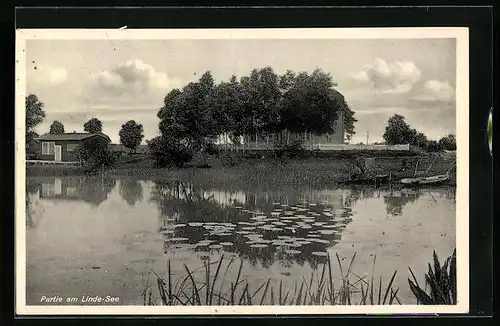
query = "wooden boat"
x=377 y=180
x=434 y=180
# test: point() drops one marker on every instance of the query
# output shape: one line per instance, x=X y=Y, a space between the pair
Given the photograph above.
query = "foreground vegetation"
x=209 y=285
x=213 y=288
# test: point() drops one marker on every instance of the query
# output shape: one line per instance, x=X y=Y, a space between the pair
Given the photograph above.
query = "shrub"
x=94 y=153
x=168 y=152
x=293 y=150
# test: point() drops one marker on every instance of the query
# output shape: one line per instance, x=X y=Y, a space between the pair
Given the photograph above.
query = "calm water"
x=102 y=236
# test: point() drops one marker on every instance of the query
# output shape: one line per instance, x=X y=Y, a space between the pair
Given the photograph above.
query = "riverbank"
x=266 y=172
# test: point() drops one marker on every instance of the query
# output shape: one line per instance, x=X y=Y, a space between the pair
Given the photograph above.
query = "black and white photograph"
x=210 y=171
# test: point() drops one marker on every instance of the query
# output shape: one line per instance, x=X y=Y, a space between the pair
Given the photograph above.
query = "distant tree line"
x=398 y=132
x=262 y=103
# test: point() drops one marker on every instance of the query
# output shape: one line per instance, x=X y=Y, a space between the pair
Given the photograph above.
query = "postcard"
x=242 y=171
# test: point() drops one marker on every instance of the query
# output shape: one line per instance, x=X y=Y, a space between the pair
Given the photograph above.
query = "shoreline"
x=314 y=172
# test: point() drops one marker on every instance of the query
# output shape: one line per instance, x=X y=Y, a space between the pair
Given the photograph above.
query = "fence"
x=253 y=146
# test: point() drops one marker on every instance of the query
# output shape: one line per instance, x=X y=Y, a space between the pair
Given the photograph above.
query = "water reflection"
x=131 y=191
x=90 y=189
x=260 y=227
x=275 y=232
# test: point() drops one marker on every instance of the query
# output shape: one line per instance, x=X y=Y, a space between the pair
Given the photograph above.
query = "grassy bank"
x=262 y=171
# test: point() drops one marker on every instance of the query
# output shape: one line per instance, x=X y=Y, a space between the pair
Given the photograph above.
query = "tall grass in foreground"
x=214 y=288
x=441 y=280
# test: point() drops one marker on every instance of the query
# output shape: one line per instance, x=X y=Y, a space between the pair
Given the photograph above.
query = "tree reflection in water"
x=395 y=201
x=131 y=191
x=32 y=189
x=247 y=223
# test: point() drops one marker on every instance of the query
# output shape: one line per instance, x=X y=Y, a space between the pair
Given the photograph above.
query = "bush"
x=211 y=149
x=94 y=153
x=169 y=152
x=293 y=150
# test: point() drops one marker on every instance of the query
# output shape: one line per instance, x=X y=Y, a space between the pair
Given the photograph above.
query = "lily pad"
x=320 y=253
x=215 y=246
x=176 y=239
x=258 y=245
x=323 y=241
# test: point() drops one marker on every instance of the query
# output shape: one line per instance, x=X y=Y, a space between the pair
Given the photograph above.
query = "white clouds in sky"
x=49 y=75
x=134 y=76
x=395 y=77
x=438 y=91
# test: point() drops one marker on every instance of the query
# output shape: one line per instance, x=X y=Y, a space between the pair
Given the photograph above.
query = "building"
x=62 y=147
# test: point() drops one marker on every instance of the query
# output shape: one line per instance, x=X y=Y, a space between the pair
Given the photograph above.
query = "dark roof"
x=78 y=136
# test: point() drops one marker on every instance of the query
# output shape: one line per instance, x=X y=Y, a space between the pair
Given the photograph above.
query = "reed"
x=441 y=280
x=202 y=287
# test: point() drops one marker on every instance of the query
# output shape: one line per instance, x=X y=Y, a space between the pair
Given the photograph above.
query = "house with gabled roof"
x=63 y=147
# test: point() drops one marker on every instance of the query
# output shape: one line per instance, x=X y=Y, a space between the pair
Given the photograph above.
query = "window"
x=48 y=148
x=71 y=147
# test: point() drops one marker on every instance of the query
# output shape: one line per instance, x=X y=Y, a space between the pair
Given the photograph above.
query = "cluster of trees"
x=398 y=132
x=262 y=103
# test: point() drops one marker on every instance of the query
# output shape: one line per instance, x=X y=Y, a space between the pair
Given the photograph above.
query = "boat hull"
x=425 y=181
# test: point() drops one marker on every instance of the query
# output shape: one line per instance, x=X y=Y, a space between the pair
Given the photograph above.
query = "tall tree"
x=260 y=99
x=93 y=126
x=34 y=115
x=310 y=97
x=131 y=135
x=398 y=131
x=187 y=115
x=56 y=128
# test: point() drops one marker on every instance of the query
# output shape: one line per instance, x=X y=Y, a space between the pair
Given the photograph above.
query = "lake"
x=105 y=236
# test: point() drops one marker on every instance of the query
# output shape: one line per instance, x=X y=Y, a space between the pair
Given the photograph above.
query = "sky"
x=120 y=80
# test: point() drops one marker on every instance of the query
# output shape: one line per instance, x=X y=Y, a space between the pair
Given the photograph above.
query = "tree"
x=93 y=126
x=448 y=143
x=349 y=121
x=131 y=135
x=187 y=116
x=56 y=128
x=34 y=115
x=308 y=98
x=398 y=131
x=432 y=146
x=420 y=140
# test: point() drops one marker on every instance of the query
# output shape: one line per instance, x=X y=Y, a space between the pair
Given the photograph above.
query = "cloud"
x=440 y=91
x=48 y=75
x=134 y=76
x=396 y=77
